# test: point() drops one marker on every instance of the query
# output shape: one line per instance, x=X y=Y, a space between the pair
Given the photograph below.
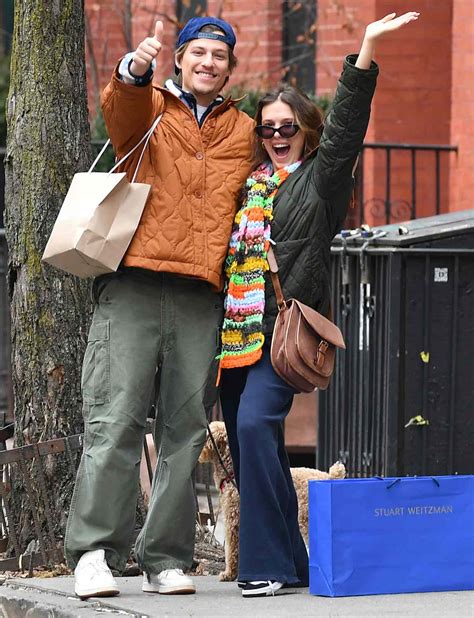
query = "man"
x=157 y=319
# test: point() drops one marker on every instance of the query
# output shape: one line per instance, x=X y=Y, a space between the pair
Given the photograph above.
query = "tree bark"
x=47 y=142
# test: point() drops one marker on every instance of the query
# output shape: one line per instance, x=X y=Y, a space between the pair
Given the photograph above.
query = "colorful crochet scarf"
x=242 y=336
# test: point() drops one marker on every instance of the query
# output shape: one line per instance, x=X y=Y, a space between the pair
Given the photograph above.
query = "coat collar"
x=173 y=88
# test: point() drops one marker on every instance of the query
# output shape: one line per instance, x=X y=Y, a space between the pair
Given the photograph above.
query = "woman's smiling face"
x=282 y=151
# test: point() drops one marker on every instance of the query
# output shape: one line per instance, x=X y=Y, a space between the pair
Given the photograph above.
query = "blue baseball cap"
x=192 y=31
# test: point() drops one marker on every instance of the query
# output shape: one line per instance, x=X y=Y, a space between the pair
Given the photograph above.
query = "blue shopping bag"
x=379 y=536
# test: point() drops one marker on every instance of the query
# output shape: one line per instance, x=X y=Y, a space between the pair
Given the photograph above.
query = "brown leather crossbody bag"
x=304 y=342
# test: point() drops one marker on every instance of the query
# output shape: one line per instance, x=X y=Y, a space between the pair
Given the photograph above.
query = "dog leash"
x=230 y=476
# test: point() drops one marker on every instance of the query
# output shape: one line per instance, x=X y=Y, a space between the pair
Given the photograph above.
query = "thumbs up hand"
x=147 y=51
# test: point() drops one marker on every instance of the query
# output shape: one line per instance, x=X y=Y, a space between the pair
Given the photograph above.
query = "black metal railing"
x=383 y=206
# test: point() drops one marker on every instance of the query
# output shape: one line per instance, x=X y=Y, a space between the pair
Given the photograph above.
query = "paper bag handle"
x=145 y=138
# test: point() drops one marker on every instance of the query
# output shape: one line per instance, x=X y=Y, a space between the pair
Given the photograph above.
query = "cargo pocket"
x=95 y=379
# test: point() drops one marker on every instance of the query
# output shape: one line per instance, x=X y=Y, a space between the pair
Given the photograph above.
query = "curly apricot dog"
x=229 y=497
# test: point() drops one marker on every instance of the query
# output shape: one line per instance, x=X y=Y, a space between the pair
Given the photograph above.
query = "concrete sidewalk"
x=54 y=598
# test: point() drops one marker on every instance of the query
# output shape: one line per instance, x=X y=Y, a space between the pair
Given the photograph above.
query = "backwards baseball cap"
x=192 y=31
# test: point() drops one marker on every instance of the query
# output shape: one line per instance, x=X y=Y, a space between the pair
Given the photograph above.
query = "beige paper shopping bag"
x=98 y=219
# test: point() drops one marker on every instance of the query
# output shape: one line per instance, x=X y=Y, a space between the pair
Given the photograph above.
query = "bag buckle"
x=321 y=355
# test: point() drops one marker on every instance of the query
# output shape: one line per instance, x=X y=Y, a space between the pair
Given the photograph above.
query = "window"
x=185 y=9
x=299 y=43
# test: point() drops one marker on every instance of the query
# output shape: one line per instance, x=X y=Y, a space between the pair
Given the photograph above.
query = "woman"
x=296 y=198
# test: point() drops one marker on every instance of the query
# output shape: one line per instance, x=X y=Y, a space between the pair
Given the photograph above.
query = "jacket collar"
x=188 y=97
x=173 y=88
x=190 y=100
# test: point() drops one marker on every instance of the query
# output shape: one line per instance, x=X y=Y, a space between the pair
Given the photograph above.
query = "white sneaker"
x=93 y=577
x=169 y=581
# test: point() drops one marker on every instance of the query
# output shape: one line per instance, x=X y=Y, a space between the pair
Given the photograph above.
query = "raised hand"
x=147 y=51
x=376 y=29
x=388 y=24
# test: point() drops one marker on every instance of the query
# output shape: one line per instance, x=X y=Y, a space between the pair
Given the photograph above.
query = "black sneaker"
x=261 y=588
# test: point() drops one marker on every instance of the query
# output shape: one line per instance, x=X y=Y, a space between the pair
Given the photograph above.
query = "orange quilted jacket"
x=196 y=176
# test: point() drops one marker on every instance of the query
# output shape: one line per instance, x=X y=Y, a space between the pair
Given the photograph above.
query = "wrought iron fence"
x=24 y=468
x=384 y=205
x=24 y=474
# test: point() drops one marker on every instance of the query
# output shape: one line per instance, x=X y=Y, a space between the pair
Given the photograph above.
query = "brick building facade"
x=425 y=93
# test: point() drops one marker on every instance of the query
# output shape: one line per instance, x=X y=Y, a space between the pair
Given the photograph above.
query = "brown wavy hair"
x=308 y=117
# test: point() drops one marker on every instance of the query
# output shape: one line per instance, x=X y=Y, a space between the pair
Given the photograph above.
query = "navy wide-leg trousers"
x=255 y=402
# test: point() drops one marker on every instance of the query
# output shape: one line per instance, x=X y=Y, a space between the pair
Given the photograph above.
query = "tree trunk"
x=47 y=142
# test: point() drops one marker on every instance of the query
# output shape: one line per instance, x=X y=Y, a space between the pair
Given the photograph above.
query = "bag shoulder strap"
x=272 y=263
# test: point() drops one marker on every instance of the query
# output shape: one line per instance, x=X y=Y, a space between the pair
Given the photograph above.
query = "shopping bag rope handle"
x=145 y=138
x=435 y=481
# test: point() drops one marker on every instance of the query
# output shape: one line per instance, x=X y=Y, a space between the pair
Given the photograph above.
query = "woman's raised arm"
x=377 y=29
x=346 y=124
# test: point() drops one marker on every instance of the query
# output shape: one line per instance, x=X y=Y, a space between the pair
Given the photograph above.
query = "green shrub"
x=99 y=136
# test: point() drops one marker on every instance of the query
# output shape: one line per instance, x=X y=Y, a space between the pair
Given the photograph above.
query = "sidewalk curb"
x=21 y=601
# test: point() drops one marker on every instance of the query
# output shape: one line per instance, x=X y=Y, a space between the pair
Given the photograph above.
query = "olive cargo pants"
x=144 y=320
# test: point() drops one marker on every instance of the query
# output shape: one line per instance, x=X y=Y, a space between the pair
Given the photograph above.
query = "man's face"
x=204 y=68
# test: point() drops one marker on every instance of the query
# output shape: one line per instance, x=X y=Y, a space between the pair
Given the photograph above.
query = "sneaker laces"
x=269 y=582
x=97 y=567
x=166 y=572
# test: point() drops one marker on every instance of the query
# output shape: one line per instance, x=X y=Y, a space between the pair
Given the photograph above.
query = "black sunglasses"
x=267 y=132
